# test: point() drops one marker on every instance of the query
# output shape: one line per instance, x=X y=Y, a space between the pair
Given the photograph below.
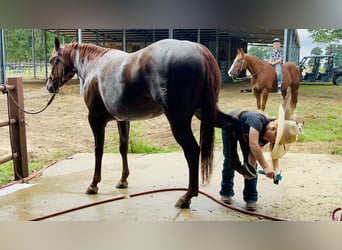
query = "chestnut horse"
x=264 y=78
x=177 y=78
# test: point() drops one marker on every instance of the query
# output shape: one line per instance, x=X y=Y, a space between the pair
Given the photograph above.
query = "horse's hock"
x=16 y=123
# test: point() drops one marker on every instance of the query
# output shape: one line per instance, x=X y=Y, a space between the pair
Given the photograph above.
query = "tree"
x=333 y=37
x=326 y=35
x=18 y=45
x=261 y=52
x=316 y=51
x=336 y=50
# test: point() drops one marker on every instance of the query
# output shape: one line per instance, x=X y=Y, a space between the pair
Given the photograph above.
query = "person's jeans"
x=278 y=69
x=250 y=192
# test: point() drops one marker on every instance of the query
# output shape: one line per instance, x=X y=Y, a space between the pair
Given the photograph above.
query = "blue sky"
x=306 y=43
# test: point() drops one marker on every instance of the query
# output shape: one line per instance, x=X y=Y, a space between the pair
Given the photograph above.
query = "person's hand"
x=269 y=172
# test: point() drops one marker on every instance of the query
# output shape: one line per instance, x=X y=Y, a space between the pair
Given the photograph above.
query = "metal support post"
x=2 y=58
x=79 y=39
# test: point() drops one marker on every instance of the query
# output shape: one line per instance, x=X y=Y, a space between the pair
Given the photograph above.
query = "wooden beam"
x=18 y=130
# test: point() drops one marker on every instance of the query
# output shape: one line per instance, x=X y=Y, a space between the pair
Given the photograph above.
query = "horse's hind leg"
x=123 y=127
x=97 y=125
x=294 y=97
x=184 y=136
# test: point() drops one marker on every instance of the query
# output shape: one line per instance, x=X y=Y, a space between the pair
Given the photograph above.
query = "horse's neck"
x=83 y=59
x=254 y=64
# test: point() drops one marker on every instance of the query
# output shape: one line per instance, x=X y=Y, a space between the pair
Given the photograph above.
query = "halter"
x=243 y=62
x=60 y=79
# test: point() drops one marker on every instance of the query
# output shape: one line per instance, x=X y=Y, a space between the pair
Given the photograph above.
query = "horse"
x=264 y=78
x=177 y=78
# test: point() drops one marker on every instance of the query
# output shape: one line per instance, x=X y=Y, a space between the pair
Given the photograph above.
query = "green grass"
x=136 y=143
x=324 y=115
x=6 y=173
x=322 y=112
x=7 y=170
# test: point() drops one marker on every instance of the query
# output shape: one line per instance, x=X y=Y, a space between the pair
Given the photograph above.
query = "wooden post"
x=18 y=131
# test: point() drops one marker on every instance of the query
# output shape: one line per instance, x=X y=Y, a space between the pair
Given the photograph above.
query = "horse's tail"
x=208 y=116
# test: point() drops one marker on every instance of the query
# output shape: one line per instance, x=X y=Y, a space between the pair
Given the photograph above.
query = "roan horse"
x=177 y=78
x=264 y=78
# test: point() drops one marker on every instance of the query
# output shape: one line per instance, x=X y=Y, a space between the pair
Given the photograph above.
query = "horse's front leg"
x=123 y=127
x=264 y=99
x=257 y=95
x=97 y=125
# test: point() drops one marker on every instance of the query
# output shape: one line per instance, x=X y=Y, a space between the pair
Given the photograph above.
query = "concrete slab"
x=62 y=187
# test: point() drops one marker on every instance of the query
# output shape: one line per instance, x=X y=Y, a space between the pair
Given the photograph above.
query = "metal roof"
x=263 y=36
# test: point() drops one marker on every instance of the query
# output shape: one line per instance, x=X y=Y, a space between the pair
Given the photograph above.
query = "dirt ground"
x=63 y=129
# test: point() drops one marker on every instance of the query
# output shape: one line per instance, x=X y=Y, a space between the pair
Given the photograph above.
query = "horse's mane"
x=86 y=51
x=256 y=58
x=258 y=64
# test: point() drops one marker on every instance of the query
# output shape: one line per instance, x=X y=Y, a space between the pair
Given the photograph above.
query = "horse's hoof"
x=92 y=190
x=122 y=184
x=182 y=204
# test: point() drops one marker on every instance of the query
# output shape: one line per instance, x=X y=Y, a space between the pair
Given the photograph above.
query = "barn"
x=222 y=43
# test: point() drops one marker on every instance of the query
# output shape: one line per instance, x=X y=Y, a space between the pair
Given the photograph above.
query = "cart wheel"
x=339 y=80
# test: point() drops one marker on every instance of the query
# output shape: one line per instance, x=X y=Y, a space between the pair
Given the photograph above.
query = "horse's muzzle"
x=51 y=86
x=233 y=75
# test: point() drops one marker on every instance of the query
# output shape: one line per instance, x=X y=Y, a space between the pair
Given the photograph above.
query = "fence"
x=27 y=70
x=17 y=130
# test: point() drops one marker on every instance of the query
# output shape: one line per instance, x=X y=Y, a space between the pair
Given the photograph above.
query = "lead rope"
x=32 y=112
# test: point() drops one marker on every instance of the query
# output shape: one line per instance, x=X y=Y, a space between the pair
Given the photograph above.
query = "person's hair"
x=269 y=118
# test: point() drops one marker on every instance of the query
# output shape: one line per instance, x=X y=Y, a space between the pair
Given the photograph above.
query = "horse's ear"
x=57 y=43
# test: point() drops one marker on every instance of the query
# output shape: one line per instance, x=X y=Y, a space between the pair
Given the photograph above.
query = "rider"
x=276 y=60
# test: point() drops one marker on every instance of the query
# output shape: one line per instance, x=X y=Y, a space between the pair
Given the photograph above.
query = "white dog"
x=300 y=126
x=300 y=121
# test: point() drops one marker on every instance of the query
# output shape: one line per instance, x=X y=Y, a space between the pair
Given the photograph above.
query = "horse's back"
x=141 y=84
x=171 y=55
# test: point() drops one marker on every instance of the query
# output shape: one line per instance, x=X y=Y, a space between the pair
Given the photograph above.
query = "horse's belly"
x=131 y=112
x=135 y=116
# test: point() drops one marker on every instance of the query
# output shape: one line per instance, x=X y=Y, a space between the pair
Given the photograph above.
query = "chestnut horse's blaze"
x=264 y=78
x=177 y=78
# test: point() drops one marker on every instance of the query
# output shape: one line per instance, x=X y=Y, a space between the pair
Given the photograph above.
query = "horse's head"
x=61 y=71
x=238 y=64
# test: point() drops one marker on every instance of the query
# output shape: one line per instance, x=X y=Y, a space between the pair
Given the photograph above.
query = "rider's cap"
x=276 y=40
